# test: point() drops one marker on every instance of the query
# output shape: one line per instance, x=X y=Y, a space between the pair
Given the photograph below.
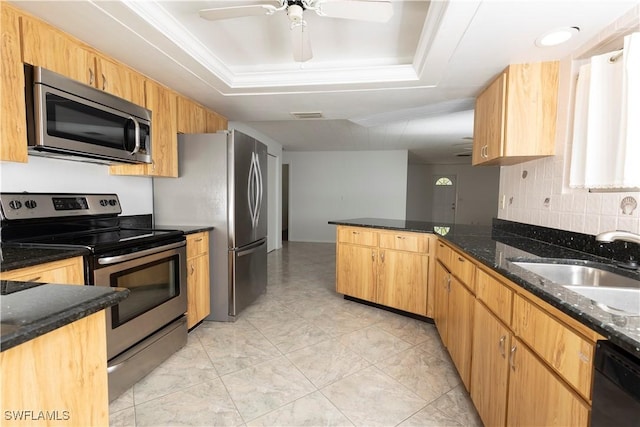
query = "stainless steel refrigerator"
x=222 y=183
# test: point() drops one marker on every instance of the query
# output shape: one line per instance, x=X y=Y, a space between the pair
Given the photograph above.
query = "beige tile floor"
x=303 y=356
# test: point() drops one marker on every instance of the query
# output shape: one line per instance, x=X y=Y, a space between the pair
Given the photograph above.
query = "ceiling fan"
x=361 y=10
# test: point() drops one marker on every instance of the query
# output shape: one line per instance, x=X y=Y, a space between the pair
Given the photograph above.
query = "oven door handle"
x=121 y=258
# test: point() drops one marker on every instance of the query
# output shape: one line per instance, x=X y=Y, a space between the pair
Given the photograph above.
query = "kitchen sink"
x=611 y=292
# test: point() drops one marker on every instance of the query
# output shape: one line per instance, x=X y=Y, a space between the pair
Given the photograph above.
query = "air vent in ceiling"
x=308 y=115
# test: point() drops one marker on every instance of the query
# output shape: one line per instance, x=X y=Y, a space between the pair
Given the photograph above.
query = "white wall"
x=54 y=175
x=477 y=188
x=275 y=149
x=331 y=185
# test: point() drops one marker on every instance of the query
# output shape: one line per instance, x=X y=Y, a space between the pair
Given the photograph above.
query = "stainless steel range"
x=147 y=327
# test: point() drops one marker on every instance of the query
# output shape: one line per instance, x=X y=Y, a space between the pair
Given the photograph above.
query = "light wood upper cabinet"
x=215 y=122
x=515 y=116
x=164 y=136
x=119 y=80
x=68 y=271
x=198 y=279
x=191 y=116
x=13 y=131
x=50 y=48
x=537 y=397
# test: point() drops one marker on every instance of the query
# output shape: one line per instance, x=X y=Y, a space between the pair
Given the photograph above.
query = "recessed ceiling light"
x=556 y=37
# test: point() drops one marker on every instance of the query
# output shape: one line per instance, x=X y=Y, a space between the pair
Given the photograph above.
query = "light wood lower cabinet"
x=490 y=366
x=537 y=397
x=356 y=271
x=389 y=268
x=61 y=375
x=198 y=278
x=523 y=362
x=68 y=271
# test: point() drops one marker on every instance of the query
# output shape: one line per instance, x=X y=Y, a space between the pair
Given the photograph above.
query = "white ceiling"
x=405 y=84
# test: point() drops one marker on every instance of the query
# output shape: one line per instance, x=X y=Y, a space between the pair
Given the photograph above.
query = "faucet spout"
x=612 y=236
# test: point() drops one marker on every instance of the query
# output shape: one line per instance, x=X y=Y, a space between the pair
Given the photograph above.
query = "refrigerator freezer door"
x=249 y=275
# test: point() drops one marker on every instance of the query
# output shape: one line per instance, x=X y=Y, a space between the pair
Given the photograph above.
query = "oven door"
x=157 y=281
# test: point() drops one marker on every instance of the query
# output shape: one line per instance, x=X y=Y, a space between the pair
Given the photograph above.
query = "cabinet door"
x=65 y=272
x=441 y=307
x=164 y=136
x=119 y=80
x=356 y=274
x=215 y=122
x=50 y=48
x=490 y=367
x=13 y=141
x=488 y=128
x=198 y=289
x=539 y=398
x=460 y=328
x=402 y=281
x=191 y=116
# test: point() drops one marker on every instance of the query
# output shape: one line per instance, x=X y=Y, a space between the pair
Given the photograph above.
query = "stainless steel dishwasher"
x=616 y=387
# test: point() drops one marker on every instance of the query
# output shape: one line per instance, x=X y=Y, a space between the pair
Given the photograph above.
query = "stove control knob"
x=15 y=204
x=30 y=204
x=113 y=202
x=104 y=202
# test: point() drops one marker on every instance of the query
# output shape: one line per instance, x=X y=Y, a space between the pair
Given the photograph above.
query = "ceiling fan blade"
x=362 y=10
x=237 y=12
x=301 y=42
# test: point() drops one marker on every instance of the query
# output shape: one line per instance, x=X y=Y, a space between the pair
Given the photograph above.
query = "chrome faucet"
x=611 y=236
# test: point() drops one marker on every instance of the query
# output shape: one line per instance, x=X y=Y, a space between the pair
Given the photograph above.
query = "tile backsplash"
x=534 y=193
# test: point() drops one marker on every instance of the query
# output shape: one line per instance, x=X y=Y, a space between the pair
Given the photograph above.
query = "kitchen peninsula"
x=53 y=358
x=509 y=332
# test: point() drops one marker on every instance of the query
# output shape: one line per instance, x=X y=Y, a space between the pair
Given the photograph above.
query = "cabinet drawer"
x=444 y=254
x=412 y=242
x=358 y=236
x=570 y=355
x=65 y=272
x=496 y=296
x=463 y=269
x=197 y=244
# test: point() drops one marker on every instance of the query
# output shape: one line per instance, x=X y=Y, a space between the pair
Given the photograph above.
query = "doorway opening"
x=444 y=199
x=285 y=202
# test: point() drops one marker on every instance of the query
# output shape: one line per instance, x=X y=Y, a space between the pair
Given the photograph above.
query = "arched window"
x=443 y=231
x=444 y=181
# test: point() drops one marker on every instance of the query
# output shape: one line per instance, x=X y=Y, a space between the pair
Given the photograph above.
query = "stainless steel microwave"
x=68 y=119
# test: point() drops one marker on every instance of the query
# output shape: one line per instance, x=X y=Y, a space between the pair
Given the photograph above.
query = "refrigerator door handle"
x=251 y=248
x=260 y=189
x=250 y=189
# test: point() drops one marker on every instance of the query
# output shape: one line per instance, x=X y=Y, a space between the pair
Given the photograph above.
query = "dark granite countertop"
x=29 y=310
x=497 y=249
x=186 y=229
x=14 y=258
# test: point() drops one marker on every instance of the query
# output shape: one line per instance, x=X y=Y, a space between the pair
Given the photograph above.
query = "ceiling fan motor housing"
x=295 y=10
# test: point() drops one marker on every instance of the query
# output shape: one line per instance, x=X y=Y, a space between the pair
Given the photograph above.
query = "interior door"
x=272 y=228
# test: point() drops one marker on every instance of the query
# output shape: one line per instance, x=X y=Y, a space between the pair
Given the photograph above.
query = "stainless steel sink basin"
x=612 y=292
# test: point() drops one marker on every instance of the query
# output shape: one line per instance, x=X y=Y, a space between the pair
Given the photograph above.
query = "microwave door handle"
x=136 y=127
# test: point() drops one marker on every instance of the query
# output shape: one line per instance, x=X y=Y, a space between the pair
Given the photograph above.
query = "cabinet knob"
x=460 y=259
x=192 y=269
x=104 y=82
x=90 y=77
